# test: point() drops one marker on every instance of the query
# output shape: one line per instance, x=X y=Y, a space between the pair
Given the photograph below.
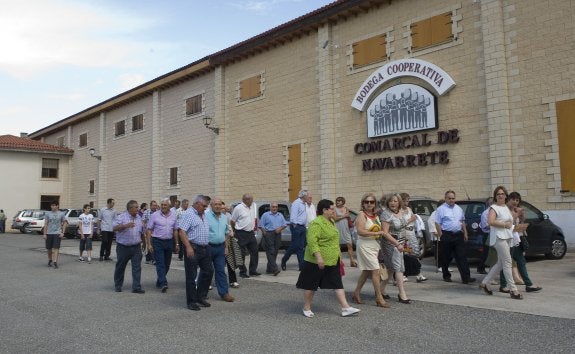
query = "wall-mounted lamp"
x=208 y=122
x=92 y=153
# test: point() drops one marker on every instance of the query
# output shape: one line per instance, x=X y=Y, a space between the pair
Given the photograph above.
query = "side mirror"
x=545 y=217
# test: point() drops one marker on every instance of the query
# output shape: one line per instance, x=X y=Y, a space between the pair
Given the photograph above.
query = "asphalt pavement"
x=75 y=309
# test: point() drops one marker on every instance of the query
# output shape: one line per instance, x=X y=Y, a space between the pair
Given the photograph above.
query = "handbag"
x=524 y=243
x=349 y=223
x=341 y=268
x=383 y=272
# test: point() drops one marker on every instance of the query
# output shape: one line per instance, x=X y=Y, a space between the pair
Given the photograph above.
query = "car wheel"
x=25 y=229
x=558 y=249
x=422 y=247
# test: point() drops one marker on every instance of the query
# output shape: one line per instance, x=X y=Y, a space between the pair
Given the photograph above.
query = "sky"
x=59 y=57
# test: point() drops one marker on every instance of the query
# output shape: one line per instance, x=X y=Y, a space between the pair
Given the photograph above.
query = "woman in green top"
x=321 y=260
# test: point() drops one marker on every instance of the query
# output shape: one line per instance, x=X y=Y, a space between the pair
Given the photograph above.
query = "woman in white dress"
x=368 y=231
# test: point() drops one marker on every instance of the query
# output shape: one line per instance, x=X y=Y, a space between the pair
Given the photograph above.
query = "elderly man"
x=220 y=232
x=162 y=239
x=145 y=218
x=194 y=229
x=106 y=226
x=272 y=224
x=129 y=237
x=245 y=222
x=452 y=231
x=298 y=223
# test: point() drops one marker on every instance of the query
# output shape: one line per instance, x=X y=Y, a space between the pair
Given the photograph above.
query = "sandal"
x=356 y=298
x=504 y=290
x=353 y=263
x=486 y=289
x=516 y=296
x=308 y=313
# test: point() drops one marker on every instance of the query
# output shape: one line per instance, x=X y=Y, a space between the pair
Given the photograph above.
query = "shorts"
x=312 y=278
x=52 y=241
x=86 y=244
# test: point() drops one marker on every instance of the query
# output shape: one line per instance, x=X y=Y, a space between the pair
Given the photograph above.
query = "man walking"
x=218 y=240
x=107 y=216
x=298 y=222
x=2 y=221
x=145 y=218
x=272 y=224
x=129 y=237
x=452 y=231
x=161 y=240
x=54 y=225
x=194 y=231
x=244 y=221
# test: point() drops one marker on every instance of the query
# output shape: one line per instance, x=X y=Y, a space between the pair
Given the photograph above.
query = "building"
x=33 y=175
x=357 y=96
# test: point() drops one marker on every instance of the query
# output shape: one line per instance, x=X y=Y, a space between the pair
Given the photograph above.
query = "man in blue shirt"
x=272 y=224
x=193 y=229
x=220 y=232
x=298 y=222
x=451 y=230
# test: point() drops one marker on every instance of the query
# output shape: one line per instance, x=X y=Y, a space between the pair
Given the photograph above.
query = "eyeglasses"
x=500 y=194
x=369 y=201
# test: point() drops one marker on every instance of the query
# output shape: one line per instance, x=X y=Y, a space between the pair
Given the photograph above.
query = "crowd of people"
x=209 y=237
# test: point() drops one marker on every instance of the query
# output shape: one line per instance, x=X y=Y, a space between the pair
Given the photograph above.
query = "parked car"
x=72 y=218
x=424 y=206
x=543 y=235
x=23 y=218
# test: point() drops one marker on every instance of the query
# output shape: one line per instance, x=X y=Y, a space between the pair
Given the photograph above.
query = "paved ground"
x=74 y=309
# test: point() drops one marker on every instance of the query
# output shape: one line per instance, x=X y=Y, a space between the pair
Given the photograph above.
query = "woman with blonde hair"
x=369 y=231
x=393 y=241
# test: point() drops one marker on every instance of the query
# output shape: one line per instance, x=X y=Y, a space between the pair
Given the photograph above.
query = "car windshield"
x=423 y=207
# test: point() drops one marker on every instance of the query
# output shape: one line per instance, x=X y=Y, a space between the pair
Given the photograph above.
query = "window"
x=137 y=122
x=50 y=168
x=92 y=186
x=120 y=128
x=369 y=51
x=250 y=88
x=565 y=132
x=194 y=105
x=46 y=200
x=431 y=31
x=60 y=142
x=83 y=141
x=173 y=176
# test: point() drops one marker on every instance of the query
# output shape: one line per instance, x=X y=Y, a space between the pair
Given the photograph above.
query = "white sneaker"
x=404 y=278
x=349 y=311
x=308 y=313
x=89 y=259
x=235 y=285
x=420 y=278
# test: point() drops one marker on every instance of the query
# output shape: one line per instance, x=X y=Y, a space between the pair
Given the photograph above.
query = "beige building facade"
x=282 y=102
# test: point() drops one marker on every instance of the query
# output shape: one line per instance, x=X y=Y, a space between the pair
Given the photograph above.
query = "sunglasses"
x=369 y=201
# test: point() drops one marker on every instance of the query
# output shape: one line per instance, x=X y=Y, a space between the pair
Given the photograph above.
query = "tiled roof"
x=14 y=143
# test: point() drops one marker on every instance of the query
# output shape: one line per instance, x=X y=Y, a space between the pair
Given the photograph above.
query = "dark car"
x=543 y=235
x=72 y=217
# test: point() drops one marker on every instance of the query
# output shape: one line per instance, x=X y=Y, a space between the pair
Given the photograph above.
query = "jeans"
x=202 y=259
x=163 y=255
x=248 y=244
x=517 y=255
x=106 y=245
x=125 y=254
x=272 y=242
x=218 y=255
x=453 y=246
x=297 y=244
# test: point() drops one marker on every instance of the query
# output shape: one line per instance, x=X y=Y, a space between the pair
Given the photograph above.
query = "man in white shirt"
x=245 y=223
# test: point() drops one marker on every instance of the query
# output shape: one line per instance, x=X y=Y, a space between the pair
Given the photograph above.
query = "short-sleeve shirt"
x=298 y=213
x=450 y=217
x=244 y=217
x=86 y=220
x=53 y=222
x=162 y=226
x=271 y=221
x=197 y=228
x=107 y=216
x=133 y=235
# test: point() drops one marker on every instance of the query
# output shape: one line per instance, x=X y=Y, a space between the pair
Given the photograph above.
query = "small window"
x=137 y=122
x=431 y=31
x=173 y=176
x=92 y=186
x=60 y=142
x=120 y=128
x=46 y=201
x=50 y=168
x=194 y=105
x=250 y=88
x=369 y=51
x=83 y=141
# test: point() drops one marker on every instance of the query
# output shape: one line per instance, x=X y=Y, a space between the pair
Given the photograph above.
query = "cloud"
x=262 y=6
x=128 y=81
x=38 y=35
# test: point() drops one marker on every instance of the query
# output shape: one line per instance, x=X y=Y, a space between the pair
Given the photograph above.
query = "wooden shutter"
x=565 y=133
x=441 y=31
x=250 y=88
x=421 y=34
x=294 y=171
x=368 y=51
